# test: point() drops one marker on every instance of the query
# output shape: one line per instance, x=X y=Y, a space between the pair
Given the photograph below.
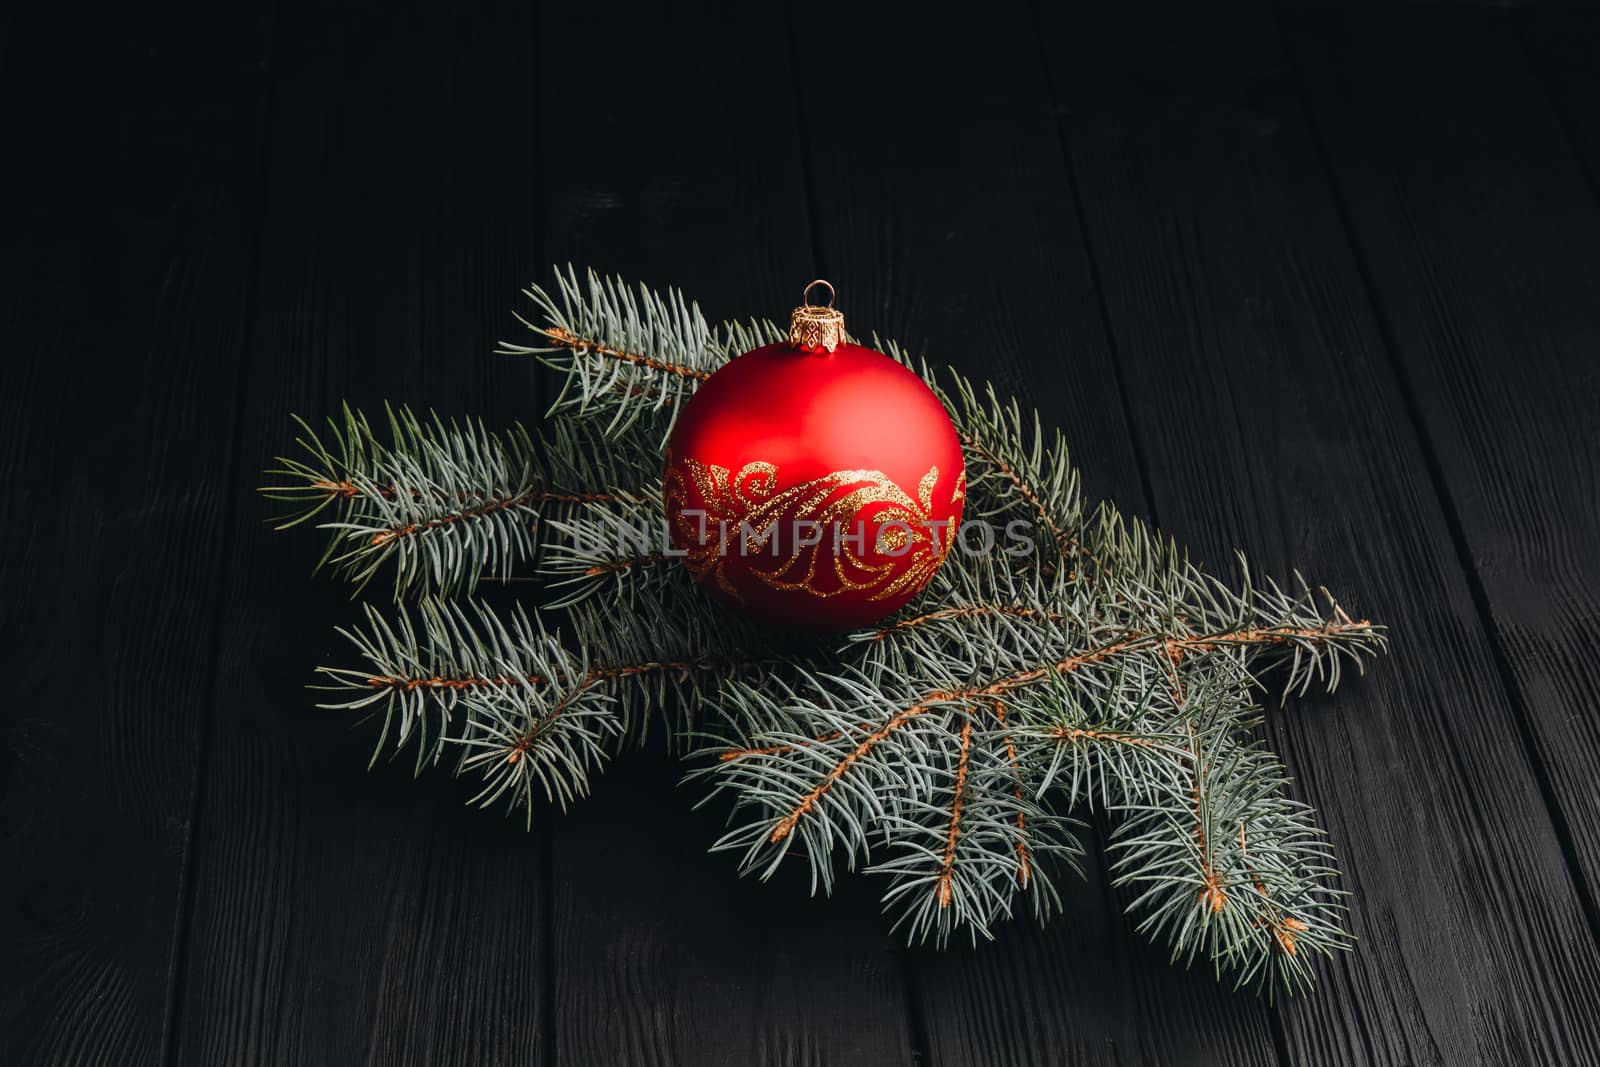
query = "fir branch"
x=1015 y=468
x=931 y=791
x=862 y=750
x=447 y=504
x=426 y=676
x=934 y=616
x=506 y=696
x=1158 y=588
x=985 y=618
x=617 y=551
x=824 y=764
x=1023 y=848
x=628 y=353
x=962 y=861
x=958 y=797
x=940 y=750
x=1224 y=865
x=675 y=625
x=1260 y=870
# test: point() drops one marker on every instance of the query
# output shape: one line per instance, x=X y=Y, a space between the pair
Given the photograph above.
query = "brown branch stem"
x=349 y=489
x=595 y=674
x=1173 y=647
x=787 y=824
x=567 y=339
x=617 y=566
x=1024 y=863
x=947 y=871
x=1011 y=610
x=775 y=750
x=1023 y=488
x=383 y=537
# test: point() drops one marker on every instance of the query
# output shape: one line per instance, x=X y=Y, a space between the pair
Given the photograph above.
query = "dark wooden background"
x=1321 y=284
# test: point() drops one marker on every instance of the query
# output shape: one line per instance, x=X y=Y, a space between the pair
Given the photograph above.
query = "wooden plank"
x=947 y=220
x=340 y=917
x=1481 y=237
x=1498 y=349
x=662 y=954
x=1274 y=421
x=1562 y=41
x=134 y=207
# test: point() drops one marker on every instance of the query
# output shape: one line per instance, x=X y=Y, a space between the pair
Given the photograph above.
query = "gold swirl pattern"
x=869 y=534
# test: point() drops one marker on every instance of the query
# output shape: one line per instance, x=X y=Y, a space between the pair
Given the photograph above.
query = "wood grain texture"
x=1316 y=283
x=1561 y=41
x=340 y=917
x=127 y=265
x=1481 y=235
x=1275 y=422
x=918 y=174
x=663 y=956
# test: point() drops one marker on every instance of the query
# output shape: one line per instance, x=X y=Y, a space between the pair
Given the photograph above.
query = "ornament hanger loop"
x=813 y=327
x=805 y=294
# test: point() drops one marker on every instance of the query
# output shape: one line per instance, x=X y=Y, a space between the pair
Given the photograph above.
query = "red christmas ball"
x=814 y=483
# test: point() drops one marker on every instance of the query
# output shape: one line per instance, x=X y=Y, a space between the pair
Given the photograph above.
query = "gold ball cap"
x=814 y=326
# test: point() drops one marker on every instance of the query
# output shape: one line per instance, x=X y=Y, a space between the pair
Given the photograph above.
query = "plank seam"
x=919 y=1036
x=1274 y=1018
x=178 y=957
x=1080 y=218
x=808 y=179
x=550 y=960
x=1522 y=717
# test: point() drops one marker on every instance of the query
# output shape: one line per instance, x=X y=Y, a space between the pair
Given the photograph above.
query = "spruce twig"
x=445 y=504
x=1086 y=663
